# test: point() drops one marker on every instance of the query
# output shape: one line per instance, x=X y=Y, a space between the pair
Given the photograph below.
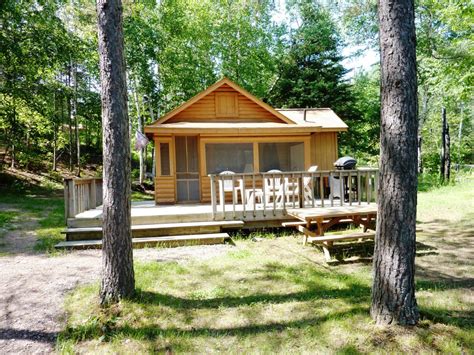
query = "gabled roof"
x=210 y=89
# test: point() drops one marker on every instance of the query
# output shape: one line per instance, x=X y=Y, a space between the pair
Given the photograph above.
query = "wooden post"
x=213 y=197
x=321 y=188
x=253 y=194
x=341 y=188
x=300 y=191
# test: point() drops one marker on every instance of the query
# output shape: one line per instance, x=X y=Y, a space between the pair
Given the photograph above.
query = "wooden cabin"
x=225 y=128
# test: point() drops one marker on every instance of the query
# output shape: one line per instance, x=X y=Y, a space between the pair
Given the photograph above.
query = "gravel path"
x=33 y=287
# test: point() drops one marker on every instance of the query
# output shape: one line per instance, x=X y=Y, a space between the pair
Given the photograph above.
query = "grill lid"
x=345 y=163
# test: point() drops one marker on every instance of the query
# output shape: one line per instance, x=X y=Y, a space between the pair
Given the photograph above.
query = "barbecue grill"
x=345 y=163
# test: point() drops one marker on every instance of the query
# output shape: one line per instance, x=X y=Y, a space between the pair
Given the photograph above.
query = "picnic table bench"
x=314 y=222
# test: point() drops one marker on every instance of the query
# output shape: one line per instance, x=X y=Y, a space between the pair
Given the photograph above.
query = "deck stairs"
x=170 y=241
x=161 y=234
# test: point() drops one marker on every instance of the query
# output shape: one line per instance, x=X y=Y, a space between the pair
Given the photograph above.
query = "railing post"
x=359 y=188
x=233 y=196
x=253 y=196
x=349 y=186
x=341 y=188
x=300 y=191
x=213 y=197
x=321 y=188
x=367 y=183
x=66 y=200
x=243 y=197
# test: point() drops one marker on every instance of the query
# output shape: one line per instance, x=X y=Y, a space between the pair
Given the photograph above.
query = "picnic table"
x=314 y=222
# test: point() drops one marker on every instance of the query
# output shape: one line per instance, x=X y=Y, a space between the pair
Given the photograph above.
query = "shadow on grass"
x=461 y=319
x=356 y=295
x=154 y=331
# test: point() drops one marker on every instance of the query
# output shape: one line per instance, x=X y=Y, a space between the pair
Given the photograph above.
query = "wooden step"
x=341 y=237
x=156 y=230
x=170 y=241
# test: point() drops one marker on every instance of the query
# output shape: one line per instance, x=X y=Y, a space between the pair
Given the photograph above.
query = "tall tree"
x=118 y=279
x=393 y=291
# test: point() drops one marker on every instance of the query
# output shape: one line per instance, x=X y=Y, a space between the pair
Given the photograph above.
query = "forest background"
x=289 y=53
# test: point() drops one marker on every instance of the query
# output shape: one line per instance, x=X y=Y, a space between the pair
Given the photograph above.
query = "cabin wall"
x=224 y=105
x=324 y=150
x=320 y=149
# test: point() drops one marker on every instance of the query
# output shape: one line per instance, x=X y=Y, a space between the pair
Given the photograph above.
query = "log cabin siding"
x=207 y=109
x=324 y=150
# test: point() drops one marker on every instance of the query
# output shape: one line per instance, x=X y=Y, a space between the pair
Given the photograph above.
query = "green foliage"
x=311 y=74
x=445 y=56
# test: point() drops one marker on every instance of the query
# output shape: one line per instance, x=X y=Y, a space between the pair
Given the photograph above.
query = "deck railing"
x=81 y=194
x=256 y=195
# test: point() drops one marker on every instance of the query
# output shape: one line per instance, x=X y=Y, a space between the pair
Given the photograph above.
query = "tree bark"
x=118 y=280
x=69 y=109
x=76 y=124
x=393 y=292
x=445 y=147
x=140 y=129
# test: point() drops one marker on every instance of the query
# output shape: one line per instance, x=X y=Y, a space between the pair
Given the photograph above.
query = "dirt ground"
x=33 y=286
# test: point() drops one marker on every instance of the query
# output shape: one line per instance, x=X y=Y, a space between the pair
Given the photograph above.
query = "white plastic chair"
x=272 y=185
x=292 y=191
x=230 y=184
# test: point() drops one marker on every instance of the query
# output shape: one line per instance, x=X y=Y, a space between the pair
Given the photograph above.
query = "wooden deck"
x=146 y=212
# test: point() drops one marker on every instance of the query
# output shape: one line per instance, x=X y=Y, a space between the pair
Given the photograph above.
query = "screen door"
x=187 y=169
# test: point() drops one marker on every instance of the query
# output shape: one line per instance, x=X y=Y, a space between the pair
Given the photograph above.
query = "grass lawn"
x=37 y=211
x=275 y=295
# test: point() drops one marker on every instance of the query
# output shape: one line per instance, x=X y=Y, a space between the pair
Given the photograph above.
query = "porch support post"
x=213 y=197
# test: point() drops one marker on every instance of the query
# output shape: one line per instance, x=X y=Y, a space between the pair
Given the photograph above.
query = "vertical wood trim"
x=256 y=158
x=307 y=152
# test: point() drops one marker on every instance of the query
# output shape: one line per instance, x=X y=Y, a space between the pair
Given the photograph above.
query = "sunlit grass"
x=270 y=296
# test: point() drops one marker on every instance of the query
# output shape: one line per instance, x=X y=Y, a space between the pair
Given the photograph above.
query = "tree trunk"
x=76 y=124
x=393 y=292
x=55 y=124
x=69 y=109
x=118 y=280
x=445 y=147
x=153 y=163
x=140 y=129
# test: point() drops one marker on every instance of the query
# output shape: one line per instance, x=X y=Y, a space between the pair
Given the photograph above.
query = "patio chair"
x=229 y=184
x=292 y=190
x=272 y=185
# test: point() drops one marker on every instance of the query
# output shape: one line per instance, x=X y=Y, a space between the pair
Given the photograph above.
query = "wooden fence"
x=245 y=195
x=81 y=194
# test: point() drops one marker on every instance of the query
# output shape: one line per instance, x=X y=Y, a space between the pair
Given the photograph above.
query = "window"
x=165 y=159
x=227 y=104
x=281 y=156
x=236 y=157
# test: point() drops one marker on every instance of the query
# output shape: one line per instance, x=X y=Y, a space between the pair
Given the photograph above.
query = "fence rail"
x=246 y=195
x=81 y=194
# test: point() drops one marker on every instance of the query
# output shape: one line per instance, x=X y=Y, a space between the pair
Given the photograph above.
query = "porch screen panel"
x=187 y=169
x=282 y=156
x=236 y=157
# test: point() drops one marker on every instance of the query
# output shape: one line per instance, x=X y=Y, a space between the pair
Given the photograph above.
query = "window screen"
x=165 y=159
x=236 y=157
x=281 y=156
